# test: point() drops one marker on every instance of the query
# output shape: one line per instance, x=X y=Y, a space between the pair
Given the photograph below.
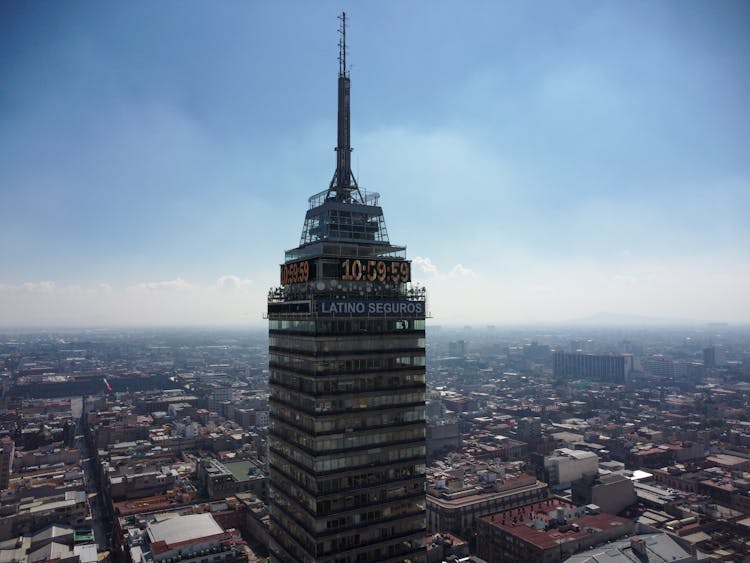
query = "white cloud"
x=461 y=271
x=233 y=282
x=167 y=285
x=427 y=266
x=39 y=287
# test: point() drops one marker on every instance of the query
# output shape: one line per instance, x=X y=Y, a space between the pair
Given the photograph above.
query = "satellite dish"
x=320 y=285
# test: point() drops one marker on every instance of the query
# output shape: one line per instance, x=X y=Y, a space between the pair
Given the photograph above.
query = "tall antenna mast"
x=343 y=182
x=342 y=45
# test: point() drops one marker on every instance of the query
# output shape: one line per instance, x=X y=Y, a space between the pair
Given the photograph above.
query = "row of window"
x=372 y=478
x=322 y=444
x=345 y=422
x=281 y=511
x=346 y=326
x=371 y=496
x=334 y=463
x=355 y=345
x=377 y=455
x=357 y=402
x=376 y=513
x=366 y=487
x=335 y=366
x=375 y=538
x=291 y=453
x=290 y=470
x=370 y=402
x=358 y=384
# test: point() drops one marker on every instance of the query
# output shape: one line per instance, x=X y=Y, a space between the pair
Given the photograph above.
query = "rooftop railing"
x=325 y=249
x=310 y=291
x=361 y=196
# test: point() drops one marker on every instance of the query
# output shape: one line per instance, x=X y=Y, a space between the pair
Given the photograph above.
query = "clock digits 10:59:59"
x=397 y=271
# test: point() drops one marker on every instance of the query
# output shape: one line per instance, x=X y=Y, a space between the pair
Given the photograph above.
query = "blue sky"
x=542 y=161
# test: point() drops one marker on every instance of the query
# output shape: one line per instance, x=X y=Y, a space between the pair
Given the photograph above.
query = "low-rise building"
x=545 y=532
x=70 y=508
x=443 y=435
x=220 y=480
x=445 y=545
x=646 y=547
x=612 y=492
x=566 y=465
x=457 y=509
x=193 y=538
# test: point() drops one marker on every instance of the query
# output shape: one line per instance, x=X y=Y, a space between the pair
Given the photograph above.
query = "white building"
x=192 y=538
x=566 y=465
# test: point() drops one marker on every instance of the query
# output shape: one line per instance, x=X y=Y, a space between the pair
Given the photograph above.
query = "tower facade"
x=347 y=379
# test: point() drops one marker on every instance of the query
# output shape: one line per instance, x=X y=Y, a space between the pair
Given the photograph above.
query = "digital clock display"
x=397 y=271
x=296 y=272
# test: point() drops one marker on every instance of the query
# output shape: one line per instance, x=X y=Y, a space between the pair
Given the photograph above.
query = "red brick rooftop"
x=542 y=539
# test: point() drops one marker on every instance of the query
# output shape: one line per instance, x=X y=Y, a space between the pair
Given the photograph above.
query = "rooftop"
x=520 y=522
x=656 y=547
x=243 y=470
x=184 y=529
x=481 y=495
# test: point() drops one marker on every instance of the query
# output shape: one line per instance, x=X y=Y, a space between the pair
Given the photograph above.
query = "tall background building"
x=599 y=367
x=347 y=377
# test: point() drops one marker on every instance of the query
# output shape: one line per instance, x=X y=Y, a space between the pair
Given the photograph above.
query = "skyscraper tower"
x=347 y=378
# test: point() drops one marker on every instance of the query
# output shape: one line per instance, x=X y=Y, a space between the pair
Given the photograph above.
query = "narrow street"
x=90 y=479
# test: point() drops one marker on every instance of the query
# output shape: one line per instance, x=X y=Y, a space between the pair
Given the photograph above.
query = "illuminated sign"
x=296 y=272
x=361 y=308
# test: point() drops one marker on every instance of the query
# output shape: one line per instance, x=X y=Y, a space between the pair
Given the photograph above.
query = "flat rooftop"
x=483 y=496
x=184 y=529
x=242 y=470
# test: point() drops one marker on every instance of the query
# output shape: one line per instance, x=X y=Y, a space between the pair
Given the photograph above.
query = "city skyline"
x=572 y=161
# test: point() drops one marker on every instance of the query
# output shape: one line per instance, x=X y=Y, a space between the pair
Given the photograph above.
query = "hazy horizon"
x=542 y=164
x=595 y=322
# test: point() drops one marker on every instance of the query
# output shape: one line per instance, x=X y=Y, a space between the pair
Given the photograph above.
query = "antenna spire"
x=342 y=45
x=343 y=182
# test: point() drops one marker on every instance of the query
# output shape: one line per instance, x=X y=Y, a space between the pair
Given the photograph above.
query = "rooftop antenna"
x=343 y=183
x=342 y=45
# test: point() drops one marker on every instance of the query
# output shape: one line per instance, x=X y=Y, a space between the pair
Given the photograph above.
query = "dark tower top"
x=343 y=182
